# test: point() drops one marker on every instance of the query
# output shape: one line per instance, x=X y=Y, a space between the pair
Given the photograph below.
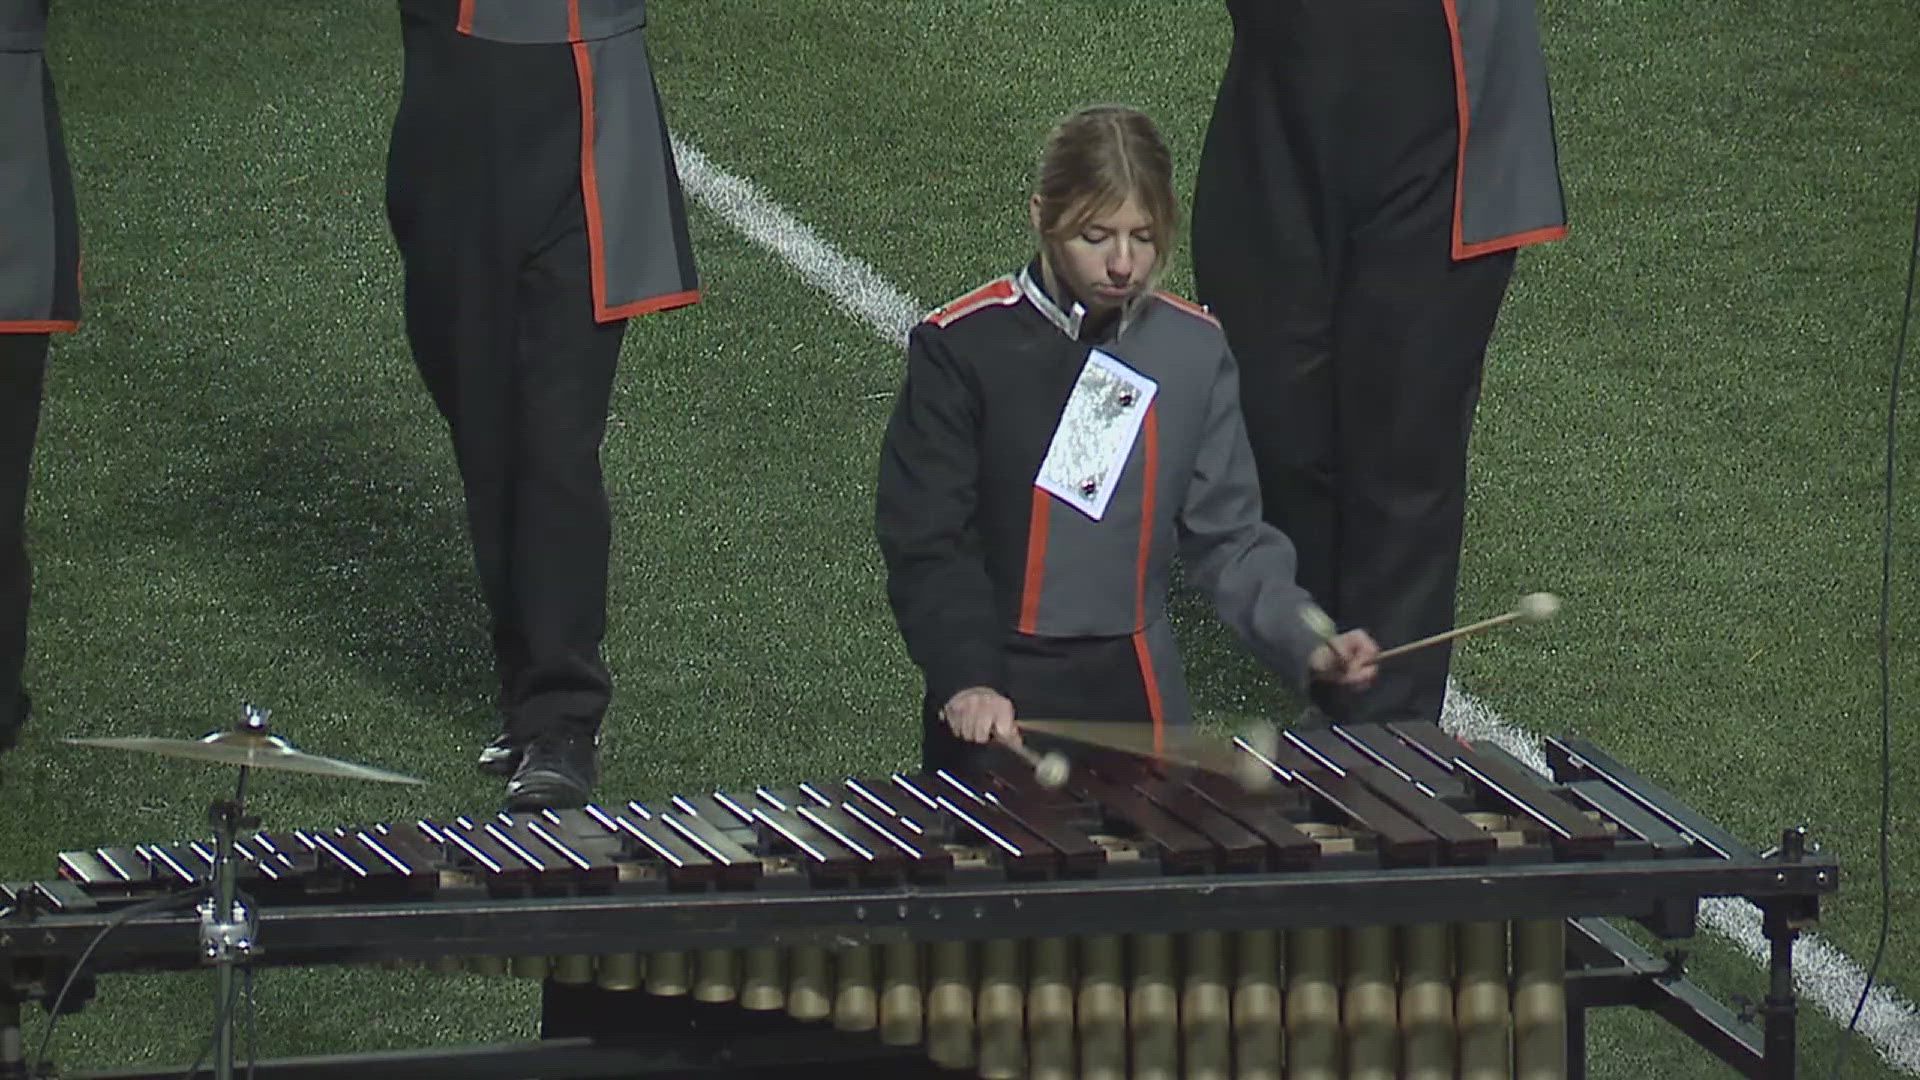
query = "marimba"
x=1399 y=903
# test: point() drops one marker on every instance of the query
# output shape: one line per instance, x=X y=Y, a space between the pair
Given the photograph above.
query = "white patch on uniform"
x=1096 y=433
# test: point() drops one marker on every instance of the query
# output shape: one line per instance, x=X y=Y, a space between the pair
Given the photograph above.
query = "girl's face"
x=1110 y=260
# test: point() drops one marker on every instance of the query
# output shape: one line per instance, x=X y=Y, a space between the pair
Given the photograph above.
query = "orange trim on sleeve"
x=1187 y=306
x=1504 y=243
x=1036 y=561
x=590 y=197
x=40 y=326
x=1150 y=467
x=1000 y=291
x=648 y=306
x=1462 y=249
x=465 y=22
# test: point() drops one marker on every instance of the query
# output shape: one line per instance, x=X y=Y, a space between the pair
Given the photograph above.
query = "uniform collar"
x=1032 y=285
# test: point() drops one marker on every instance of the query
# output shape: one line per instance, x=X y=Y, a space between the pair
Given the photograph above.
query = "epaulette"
x=999 y=292
x=1187 y=306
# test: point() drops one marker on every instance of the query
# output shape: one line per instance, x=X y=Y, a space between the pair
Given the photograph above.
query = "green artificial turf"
x=242 y=493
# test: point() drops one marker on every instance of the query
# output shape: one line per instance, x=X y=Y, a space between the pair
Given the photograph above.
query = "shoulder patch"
x=1187 y=306
x=999 y=292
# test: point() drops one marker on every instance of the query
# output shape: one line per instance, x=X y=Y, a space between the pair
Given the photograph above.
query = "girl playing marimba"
x=1062 y=432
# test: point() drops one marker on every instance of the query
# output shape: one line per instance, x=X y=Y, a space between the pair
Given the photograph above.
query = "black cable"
x=1886 y=682
x=145 y=907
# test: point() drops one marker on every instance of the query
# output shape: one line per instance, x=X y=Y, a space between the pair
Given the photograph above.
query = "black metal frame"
x=1606 y=968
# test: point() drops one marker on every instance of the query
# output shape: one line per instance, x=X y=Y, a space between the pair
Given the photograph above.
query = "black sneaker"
x=556 y=771
x=501 y=756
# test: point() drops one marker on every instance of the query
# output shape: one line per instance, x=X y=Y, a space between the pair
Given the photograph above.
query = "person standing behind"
x=532 y=193
x=39 y=296
x=1369 y=169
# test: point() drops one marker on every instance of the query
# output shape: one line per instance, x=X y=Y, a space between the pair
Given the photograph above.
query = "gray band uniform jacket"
x=976 y=552
x=39 y=232
x=631 y=189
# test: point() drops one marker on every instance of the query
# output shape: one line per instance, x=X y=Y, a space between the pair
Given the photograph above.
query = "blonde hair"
x=1096 y=158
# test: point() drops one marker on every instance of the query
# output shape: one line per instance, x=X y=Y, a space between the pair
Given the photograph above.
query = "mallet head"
x=1252 y=773
x=1539 y=607
x=1051 y=773
x=1318 y=621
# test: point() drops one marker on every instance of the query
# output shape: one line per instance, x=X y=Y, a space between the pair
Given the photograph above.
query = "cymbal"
x=251 y=749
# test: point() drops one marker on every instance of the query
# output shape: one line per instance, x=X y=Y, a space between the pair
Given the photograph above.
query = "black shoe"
x=501 y=757
x=556 y=771
x=10 y=727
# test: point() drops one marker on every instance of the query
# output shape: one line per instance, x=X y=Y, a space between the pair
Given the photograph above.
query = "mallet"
x=1050 y=770
x=1533 y=607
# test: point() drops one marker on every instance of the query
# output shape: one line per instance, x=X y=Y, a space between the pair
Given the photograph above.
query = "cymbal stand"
x=228 y=931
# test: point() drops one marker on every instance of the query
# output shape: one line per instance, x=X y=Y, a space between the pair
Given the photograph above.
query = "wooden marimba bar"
x=1394 y=905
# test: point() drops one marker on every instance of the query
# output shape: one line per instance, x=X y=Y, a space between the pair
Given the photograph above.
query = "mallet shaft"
x=1458 y=631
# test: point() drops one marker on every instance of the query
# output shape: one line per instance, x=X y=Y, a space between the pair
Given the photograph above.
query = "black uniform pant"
x=1322 y=238
x=1053 y=679
x=483 y=194
x=23 y=372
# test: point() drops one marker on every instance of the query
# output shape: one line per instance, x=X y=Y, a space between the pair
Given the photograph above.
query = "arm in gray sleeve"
x=1243 y=563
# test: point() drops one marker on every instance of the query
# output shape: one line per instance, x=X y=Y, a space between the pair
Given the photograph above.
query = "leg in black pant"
x=1322 y=223
x=23 y=370
x=484 y=199
x=562 y=527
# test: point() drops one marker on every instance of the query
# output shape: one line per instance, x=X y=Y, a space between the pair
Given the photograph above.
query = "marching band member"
x=39 y=296
x=532 y=192
x=1370 y=168
x=1061 y=434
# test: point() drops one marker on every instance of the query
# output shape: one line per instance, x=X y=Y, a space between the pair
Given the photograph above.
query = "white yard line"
x=1822 y=973
x=852 y=285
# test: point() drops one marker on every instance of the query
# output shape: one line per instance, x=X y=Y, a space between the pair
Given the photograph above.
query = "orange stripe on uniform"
x=39 y=326
x=1150 y=467
x=1145 y=658
x=1460 y=110
x=1036 y=562
x=1462 y=249
x=589 y=174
